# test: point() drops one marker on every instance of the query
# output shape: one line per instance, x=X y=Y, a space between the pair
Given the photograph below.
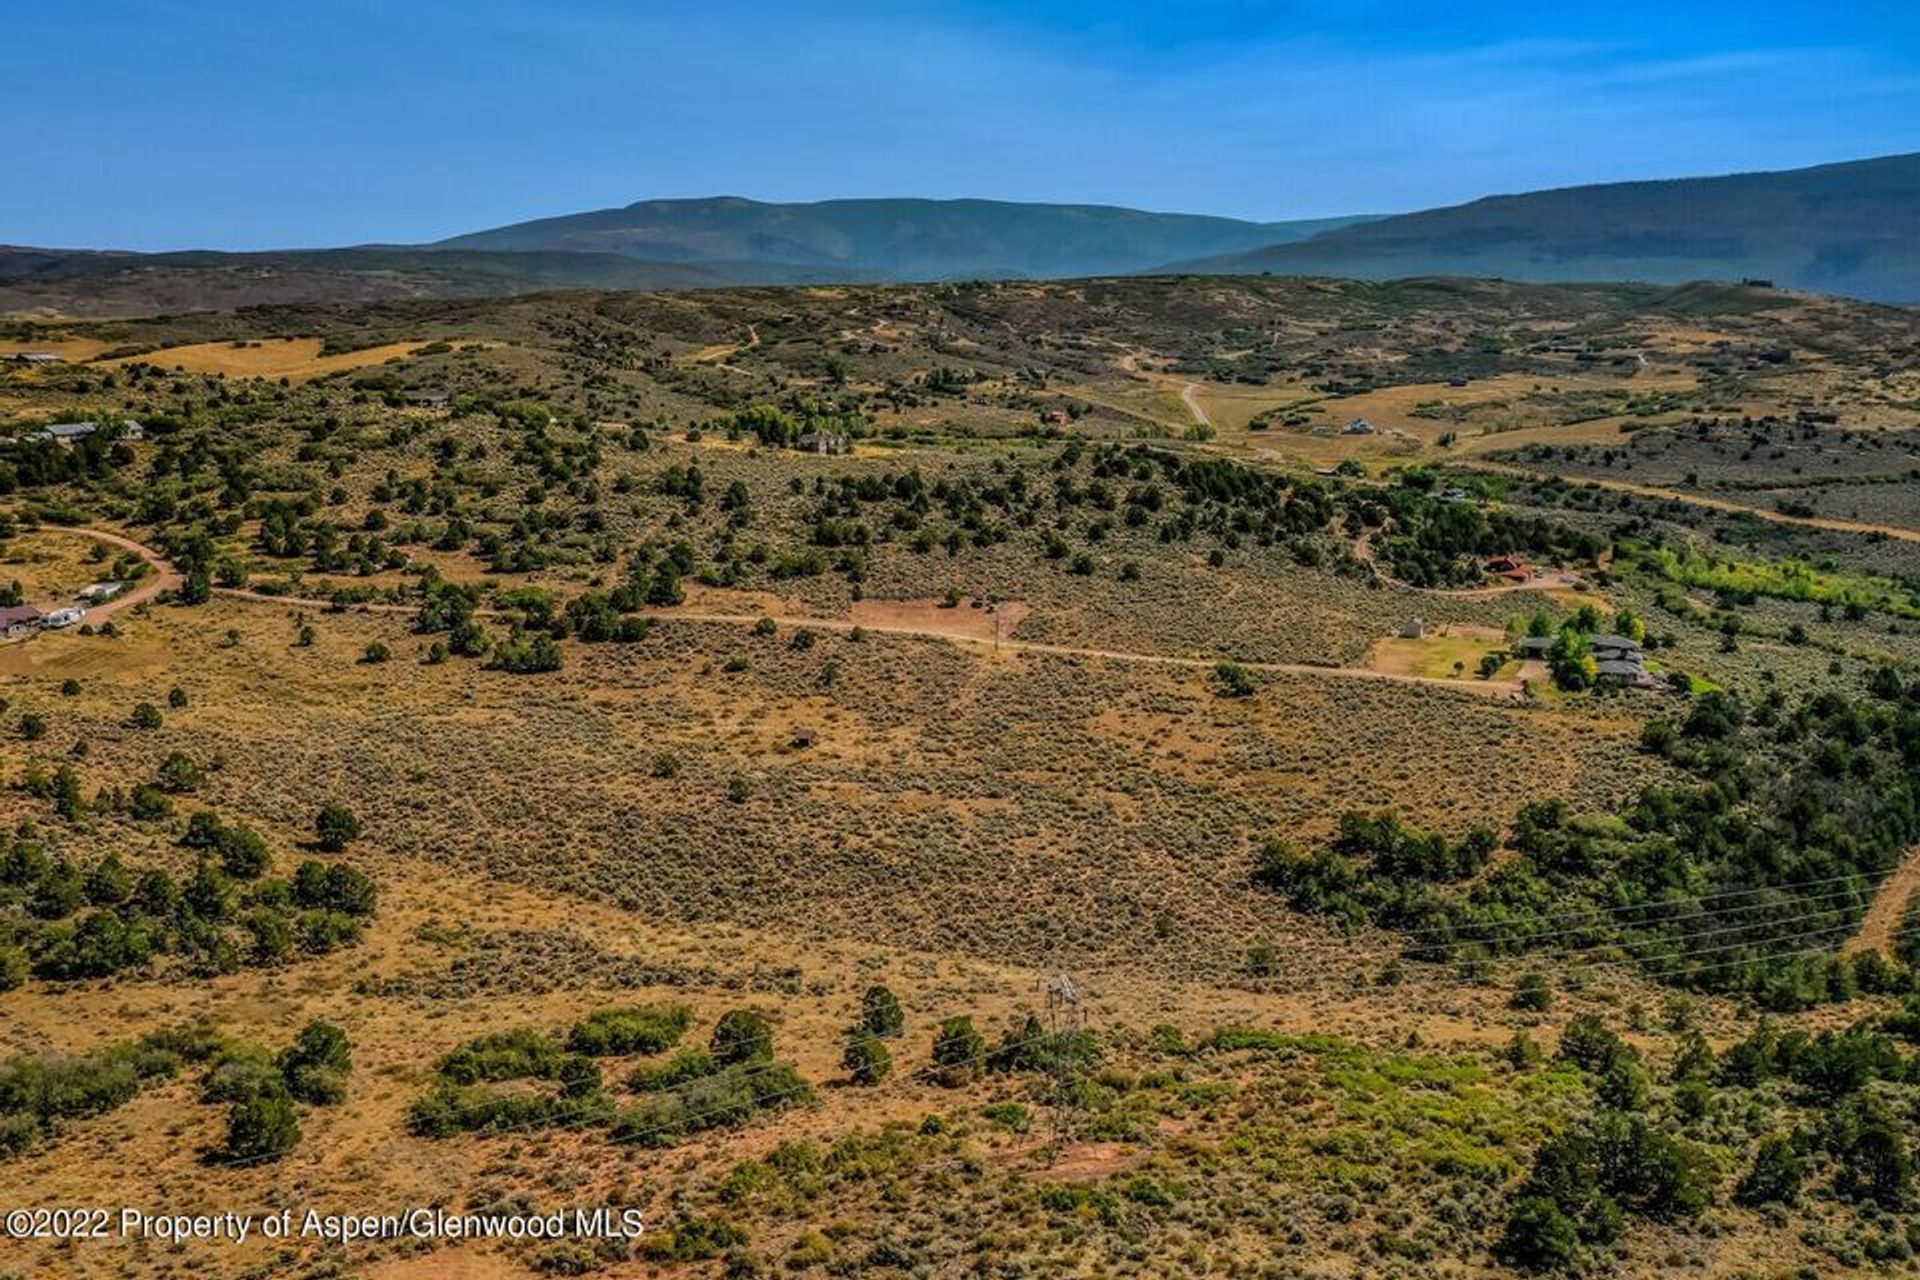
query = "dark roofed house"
x=18 y=620
x=1535 y=646
x=68 y=432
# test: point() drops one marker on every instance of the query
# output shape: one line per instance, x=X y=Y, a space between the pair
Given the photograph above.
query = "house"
x=1054 y=418
x=1509 y=566
x=1358 y=427
x=68 y=432
x=426 y=399
x=34 y=357
x=1812 y=417
x=1456 y=382
x=17 y=620
x=823 y=442
x=1455 y=495
x=101 y=591
x=1616 y=659
x=1413 y=628
x=804 y=738
x=62 y=618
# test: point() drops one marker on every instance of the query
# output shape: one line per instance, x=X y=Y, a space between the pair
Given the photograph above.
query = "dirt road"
x=1556 y=581
x=1701 y=500
x=1190 y=396
x=1485 y=688
x=1889 y=906
x=164 y=578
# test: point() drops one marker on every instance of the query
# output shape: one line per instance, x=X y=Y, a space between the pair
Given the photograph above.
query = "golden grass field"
x=298 y=359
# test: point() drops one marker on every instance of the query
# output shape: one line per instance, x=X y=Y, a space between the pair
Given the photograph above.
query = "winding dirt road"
x=164 y=578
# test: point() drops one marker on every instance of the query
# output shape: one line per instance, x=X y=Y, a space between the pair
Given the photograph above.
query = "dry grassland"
x=298 y=359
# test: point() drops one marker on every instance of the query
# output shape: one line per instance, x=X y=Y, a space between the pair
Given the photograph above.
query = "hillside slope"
x=96 y=285
x=896 y=239
x=1851 y=229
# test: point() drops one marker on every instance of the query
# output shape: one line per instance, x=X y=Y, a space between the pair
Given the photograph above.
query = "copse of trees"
x=625 y=1031
x=694 y=1090
x=40 y=1095
x=1431 y=542
x=262 y=1089
x=1792 y=812
x=335 y=827
x=103 y=919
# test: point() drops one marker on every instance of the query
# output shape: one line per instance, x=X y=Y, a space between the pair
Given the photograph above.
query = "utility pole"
x=1065 y=1019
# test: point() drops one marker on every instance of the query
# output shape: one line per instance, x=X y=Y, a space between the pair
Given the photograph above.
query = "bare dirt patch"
x=968 y=620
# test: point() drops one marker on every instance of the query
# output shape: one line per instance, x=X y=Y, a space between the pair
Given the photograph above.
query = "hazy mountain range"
x=897 y=239
x=1850 y=228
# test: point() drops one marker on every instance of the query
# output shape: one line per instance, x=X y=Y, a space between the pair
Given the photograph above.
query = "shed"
x=823 y=442
x=804 y=738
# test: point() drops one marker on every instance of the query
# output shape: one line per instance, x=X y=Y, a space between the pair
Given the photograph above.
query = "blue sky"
x=155 y=124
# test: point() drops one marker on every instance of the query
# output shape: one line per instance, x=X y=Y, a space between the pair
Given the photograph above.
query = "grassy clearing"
x=297 y=359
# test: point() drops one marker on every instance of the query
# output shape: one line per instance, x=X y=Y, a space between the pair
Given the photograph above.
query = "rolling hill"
x=1851 y=229
x=61 y=282
x=895 y=239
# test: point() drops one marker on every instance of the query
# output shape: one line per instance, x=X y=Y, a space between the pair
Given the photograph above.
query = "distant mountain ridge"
x=1851 y=228
x=906 y=239
x=100 y=284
